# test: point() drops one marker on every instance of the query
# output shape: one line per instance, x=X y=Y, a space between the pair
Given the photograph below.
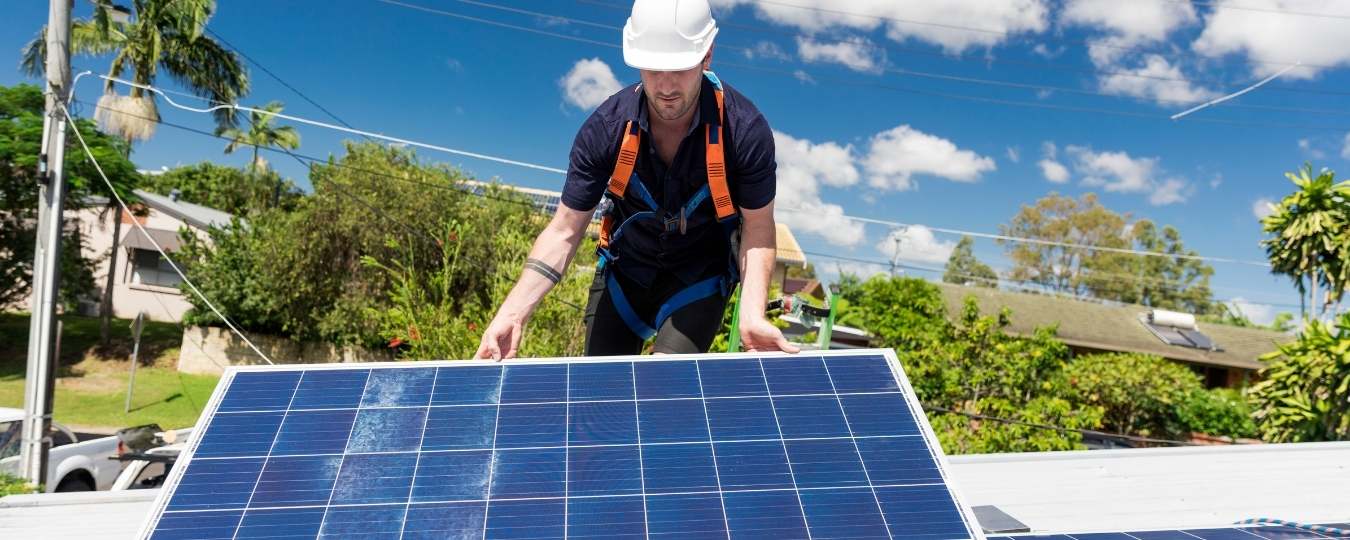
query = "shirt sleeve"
x=589 y=165
x=756 y=168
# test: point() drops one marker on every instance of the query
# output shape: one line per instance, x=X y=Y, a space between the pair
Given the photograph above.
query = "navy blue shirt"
x=647 y=249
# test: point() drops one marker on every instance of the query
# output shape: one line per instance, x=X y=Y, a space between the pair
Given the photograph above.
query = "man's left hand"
x=759 y=335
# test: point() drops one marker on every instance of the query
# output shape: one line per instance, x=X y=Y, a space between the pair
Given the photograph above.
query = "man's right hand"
x=501 y=340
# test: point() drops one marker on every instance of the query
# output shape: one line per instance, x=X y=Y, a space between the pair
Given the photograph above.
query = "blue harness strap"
x=625 y=179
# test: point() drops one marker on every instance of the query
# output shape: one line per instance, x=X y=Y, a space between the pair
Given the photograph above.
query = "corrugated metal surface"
x=103 y=515
x=1135 y=489
x=1157 y=488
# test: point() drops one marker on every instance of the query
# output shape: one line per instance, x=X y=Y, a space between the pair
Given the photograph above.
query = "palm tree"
x=262 y=133
x=1311 y=229
x=163 y=34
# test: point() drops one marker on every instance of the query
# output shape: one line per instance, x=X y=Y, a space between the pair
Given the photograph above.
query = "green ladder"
x=796 y=305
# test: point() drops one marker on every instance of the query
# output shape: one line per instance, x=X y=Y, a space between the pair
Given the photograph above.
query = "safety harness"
x=623 y=180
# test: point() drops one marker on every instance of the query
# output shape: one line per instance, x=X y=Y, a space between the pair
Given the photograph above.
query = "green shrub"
x=1219 y=411
x=13 y=485
x=1139 y=394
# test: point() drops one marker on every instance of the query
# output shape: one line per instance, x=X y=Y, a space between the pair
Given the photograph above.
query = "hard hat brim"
x=654 y=61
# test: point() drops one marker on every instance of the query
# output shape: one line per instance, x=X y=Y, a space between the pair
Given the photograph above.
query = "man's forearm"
x=758 y=250
x=554 y=248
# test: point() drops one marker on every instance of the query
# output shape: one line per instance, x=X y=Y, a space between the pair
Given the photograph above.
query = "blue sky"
x=883 y=110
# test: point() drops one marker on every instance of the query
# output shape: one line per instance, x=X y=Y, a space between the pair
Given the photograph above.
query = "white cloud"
x=767 y=49
x=832 y=269
x=1170 y=191
x=1156 y=79
x=1306 y=145
x=453 y=64
x=803 y=77
x=1003 y=19
x=1047 y=52
x=1053 y=170
x=1120 y=172
x=802 y=167
x=589 y=83
x=1113 y=171
x=1262 y=207
x=1271 y=42
x=916 y=243
x=1345 y=150
x=856 y=53
x=896 y=155
x=1014 y=154
x=1134 y=21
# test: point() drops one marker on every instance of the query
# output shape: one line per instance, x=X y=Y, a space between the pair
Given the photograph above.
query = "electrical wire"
x=902 y=89
x=113 y=191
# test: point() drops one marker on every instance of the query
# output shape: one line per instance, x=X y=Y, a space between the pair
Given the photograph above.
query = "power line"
x=278 y=78
x=1008 y=238
x=899 y=71
x=894 y=88
x=991 y=31
x=562 y=171
x=104 y=176
x=1044 y=66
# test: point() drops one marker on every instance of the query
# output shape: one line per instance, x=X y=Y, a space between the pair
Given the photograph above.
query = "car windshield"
x=9 y=438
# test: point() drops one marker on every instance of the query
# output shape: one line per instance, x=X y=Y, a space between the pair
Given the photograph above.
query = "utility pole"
x=42 y=335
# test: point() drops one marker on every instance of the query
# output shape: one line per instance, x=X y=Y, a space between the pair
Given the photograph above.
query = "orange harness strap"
x=717 y=169
x=623 y=167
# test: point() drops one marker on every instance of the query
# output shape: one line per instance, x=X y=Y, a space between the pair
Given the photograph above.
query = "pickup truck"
x=73 y=465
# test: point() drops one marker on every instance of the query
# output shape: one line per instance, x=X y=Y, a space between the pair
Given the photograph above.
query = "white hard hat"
x=668 y=35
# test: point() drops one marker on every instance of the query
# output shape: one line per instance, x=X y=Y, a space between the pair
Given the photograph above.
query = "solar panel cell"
x=770 y=515
x=662 y=448
x=740 y=419
x=667 y=380
x=678 y=468
x=843 y=513
x=611 y=422
x=452 y=476
x=617 y=518
x=735 y=377
x=753 y=465
x=685 y=516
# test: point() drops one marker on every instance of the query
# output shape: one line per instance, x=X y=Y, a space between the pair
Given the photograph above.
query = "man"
x=687 y=165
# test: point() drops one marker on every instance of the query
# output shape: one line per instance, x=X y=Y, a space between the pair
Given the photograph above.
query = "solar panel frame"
x=214 y=404
x=1215 y=532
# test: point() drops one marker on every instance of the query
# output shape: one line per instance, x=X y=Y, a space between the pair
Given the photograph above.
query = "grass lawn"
x=92 y=381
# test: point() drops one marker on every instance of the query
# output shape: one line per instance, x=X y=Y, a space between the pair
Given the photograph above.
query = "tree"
x=1304 y=393
x=163 y=34
x=227 y=189
x=964 y=269
x=21 y=118
x=1174 y=279
x=1310 y=238
x=1062 y=220
x=261 y=133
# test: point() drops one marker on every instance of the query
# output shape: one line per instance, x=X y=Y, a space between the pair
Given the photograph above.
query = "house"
x=144 y=282
x=1224 y=355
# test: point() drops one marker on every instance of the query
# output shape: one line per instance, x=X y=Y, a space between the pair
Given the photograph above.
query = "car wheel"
x=74 y=483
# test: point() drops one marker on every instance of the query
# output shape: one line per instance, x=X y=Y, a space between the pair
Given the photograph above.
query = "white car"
x=73 y=465
x=149 y=469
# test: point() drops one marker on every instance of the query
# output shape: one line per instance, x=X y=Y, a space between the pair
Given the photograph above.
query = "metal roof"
x=1091 y=490
x=1114 y=328
x=195 y=215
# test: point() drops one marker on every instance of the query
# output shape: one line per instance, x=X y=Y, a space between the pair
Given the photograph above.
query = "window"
x=9 y=438
x=149 y=268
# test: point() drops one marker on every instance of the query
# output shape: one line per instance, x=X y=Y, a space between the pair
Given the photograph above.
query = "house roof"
x=789 y=251
x=1114 y=328
x=195 y=215
x=1051 y=492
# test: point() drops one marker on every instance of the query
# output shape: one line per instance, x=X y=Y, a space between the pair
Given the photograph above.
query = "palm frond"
x=208 y=70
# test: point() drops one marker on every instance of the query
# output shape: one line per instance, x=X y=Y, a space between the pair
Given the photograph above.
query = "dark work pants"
x=689 y=330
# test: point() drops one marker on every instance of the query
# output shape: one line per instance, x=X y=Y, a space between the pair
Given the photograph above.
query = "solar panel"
x=830 y=445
